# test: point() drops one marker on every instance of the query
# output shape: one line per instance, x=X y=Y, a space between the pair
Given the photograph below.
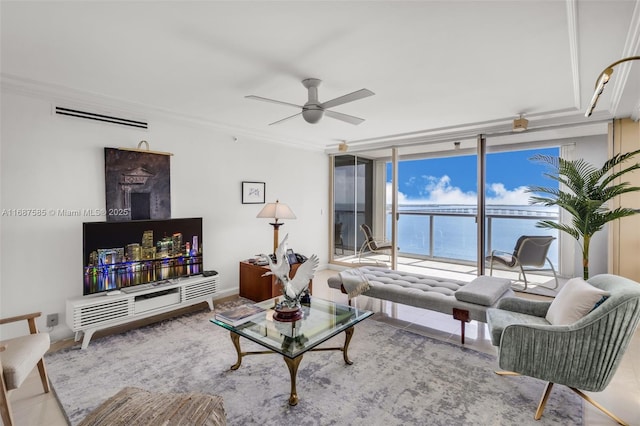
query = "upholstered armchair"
x=582 y=355
x=18 y=356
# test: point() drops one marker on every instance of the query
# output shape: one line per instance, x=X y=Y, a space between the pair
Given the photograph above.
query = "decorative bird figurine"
x=281 y=268
x=294 y=287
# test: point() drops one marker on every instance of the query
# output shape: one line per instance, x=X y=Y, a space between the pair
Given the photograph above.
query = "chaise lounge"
x=466 y=301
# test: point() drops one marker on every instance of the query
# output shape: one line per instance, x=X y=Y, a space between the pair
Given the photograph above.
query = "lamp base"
x=276 y=226
x=285 y=314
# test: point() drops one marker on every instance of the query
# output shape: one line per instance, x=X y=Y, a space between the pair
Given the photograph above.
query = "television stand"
x=87 y=314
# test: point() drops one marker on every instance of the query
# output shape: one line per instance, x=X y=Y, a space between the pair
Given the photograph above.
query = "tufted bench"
x=466 y=301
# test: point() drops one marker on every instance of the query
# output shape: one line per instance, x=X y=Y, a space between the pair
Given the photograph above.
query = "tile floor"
x=33 y=408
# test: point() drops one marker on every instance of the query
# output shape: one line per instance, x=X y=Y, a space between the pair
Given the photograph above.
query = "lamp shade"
x=276 y=211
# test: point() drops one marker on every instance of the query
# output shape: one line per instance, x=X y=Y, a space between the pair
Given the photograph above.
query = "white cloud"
x=517 y=196
x=441 y=191
x=402 y=198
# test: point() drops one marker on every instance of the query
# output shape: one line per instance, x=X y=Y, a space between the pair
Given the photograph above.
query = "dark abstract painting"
x=138 y=185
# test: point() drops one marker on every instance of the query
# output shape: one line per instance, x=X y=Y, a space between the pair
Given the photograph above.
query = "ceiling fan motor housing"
x=312 y=113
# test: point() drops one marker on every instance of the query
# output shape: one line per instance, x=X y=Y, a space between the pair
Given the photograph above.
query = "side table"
x=255 y=287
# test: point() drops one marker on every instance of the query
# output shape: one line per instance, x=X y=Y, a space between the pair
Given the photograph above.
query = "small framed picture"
x=253 y=192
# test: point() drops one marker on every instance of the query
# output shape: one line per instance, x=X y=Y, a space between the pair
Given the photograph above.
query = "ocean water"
x=454 y=232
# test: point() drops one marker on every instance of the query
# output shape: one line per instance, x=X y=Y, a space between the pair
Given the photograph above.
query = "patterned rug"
x=398 y=378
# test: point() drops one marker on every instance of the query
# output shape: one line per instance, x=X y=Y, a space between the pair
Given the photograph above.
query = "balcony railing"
x=450 y=233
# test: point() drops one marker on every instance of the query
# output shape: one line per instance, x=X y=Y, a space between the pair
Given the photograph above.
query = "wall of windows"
x=438 y=204
x=437 y=200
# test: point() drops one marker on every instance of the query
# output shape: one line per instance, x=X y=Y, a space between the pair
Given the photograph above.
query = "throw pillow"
x=575 y=300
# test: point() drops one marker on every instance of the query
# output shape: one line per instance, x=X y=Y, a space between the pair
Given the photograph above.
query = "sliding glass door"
x=437 y=208
x=509 y=213
x=352 y=203
x=438 y=204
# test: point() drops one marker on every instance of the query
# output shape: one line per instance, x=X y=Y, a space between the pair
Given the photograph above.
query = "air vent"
x=101 y=117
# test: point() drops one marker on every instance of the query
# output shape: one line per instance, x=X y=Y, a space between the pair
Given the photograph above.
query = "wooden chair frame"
x=5 y=407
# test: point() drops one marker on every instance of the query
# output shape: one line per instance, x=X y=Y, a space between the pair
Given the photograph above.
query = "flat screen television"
x=117 y=255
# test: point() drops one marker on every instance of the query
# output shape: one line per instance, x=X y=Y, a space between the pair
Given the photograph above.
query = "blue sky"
x=452 y=180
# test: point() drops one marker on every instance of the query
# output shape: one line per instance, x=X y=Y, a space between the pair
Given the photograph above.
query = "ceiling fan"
x=313 y=109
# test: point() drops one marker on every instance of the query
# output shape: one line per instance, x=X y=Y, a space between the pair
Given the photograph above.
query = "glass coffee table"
x=322 y=320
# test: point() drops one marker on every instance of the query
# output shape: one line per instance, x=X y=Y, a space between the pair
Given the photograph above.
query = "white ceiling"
x=437 y=68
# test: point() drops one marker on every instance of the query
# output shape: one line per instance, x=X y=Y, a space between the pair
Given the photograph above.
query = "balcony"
x=441 y=241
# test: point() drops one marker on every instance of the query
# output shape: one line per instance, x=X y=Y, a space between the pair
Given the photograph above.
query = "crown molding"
x=68 y=96
x=631 y=48
x=560 y=119
x=499 y=125
x=574 y=50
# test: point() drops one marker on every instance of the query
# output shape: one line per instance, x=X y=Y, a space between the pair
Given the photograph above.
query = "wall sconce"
x=603 y=78
x=276 y=211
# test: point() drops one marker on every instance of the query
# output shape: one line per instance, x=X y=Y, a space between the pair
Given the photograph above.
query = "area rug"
x=397 y=378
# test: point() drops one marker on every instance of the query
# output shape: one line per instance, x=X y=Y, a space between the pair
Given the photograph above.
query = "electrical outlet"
x=52 y=320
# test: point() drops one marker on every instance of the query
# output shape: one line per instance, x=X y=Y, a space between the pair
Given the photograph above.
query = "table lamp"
x=276 y=211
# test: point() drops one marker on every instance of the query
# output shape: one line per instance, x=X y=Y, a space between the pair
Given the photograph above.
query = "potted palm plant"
x=584 y=193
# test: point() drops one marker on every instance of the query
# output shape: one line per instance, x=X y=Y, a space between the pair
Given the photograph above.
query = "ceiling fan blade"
x=273 y=101
x=344 y=117
x=285 y=119
x=358 y=94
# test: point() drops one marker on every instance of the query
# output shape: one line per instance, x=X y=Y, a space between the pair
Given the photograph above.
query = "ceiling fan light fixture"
x=343 y=147
x=312 y=114
x=520 y=124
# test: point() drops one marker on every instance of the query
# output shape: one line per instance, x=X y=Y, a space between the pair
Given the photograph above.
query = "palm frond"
x=614 y=191
x=617 y=159
x=613 y=176
x=618 y=213
x=548 y=224
x=546 y=190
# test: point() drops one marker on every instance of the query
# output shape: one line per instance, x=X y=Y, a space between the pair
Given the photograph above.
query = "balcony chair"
x=18 y=356
x=577 y=343
x=529 y=251
x=372 y=244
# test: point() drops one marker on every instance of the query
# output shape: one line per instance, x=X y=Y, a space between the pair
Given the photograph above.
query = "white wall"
x=54 y=162
x=592 y=149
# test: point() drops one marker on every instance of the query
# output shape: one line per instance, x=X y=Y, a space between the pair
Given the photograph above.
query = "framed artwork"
x=253 y=192
x=138 y=185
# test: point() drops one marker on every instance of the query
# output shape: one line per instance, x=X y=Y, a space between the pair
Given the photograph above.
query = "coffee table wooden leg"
x=293 y=371
x=349 y=334
x=235 y=338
